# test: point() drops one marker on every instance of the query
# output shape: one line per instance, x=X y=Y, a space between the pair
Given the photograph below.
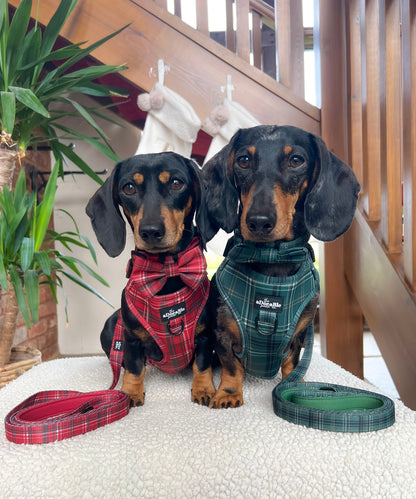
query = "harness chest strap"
x=322 y=406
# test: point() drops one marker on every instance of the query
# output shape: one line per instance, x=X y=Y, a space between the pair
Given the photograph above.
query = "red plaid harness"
x=170 y=319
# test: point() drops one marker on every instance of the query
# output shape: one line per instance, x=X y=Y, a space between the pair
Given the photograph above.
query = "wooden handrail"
x=382 y=64
x=283 y=25
x=381 y=247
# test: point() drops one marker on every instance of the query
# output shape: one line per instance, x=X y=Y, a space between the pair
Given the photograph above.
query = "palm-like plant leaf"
x=45 y=209
x=34 y=86
x=31 y=282
x=8 y=105
x=21 y=258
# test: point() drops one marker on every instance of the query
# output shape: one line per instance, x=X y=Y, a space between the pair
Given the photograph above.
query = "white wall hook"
x=228 y=88
x=162 y=68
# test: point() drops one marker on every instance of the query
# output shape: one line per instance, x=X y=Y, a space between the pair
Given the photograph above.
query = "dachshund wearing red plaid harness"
x=274 y=186
x=163 y=313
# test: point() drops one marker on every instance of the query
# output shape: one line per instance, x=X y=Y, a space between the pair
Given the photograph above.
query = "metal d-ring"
x=170 y=330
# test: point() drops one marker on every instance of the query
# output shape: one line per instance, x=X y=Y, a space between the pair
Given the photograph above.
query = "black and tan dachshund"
x=272 y=184
x=160 y=195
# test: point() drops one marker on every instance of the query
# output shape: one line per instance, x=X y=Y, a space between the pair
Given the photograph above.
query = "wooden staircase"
x=367 y=117
x=198 y=65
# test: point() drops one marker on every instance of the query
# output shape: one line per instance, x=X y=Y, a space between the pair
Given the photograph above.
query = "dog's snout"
x=152 y=232
x=260 y=225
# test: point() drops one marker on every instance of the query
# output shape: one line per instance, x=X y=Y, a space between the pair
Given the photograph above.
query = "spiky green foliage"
x=34 y=77
x=24 y=241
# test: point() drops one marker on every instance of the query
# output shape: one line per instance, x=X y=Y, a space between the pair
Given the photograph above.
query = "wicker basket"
x=21 y=360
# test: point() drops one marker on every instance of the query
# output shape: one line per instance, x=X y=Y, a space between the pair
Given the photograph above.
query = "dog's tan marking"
x=203 y=389
x=138 y=178
x=230 y=391
x=287 y=150
x=285 y=209
x=229 y=328
x=174 y=226
x=134 y=386
x=164 y=177
x=305 y=319
x=246 y=200
x=188 y=206
x=142 y=334
x=135 y=221
x=232 y=327
x=252 y=150
x=303 y=188
x=288 y=365
x=283 y=203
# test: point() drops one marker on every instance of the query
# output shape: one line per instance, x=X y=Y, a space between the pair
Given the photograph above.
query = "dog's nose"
x=261 y=225
x=152 y=233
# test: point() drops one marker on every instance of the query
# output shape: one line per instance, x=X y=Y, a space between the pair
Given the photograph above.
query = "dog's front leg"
x=133 y=380
x=230 y=391
x=298 y=337
x=203 y=388
x=228 y=341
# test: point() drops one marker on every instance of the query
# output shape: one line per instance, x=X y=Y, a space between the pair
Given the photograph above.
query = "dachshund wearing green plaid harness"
x=274 y=186
x=162 y=320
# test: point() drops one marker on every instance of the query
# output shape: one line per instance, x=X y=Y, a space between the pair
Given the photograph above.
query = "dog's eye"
x=243 y=161
x=297 y=160
x=176 y=184
x=129 y=189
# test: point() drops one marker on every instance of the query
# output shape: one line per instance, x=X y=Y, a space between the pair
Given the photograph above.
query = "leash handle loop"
x=327 y=406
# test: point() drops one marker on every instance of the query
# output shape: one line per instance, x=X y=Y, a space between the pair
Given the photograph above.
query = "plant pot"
x=21 y=360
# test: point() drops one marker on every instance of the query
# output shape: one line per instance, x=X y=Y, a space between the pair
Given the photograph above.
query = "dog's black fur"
x=273 y=183
x=159 y=194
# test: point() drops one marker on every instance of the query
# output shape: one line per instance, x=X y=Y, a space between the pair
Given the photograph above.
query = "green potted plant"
x=36 y=83
x=29 y=258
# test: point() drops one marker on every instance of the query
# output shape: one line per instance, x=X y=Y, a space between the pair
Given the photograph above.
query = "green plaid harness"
x=267 y=310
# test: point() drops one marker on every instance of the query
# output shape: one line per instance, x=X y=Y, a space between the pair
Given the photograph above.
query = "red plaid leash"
x=54 y=415
x=116 y=352
x=58 y=414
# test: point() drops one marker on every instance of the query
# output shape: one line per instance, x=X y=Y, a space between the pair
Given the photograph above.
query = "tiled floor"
x=375 y=369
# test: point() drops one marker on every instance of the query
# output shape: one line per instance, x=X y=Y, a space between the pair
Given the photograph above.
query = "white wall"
x=86 y=312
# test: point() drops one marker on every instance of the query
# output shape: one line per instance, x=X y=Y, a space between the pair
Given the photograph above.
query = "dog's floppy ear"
x=107 y=222
x=201 y=214
x=222 y=196
x=331 y=202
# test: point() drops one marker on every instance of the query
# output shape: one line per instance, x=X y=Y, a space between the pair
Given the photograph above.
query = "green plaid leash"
x=322 y=406
x=327 y=406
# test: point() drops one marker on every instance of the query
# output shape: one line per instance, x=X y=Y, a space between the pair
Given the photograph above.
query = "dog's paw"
x=226 y=398
x=134 y=387
x=136 y=400
x=203 y=388
x=202 y=395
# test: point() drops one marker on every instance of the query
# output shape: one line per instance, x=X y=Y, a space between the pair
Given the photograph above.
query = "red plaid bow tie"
x=149 y=273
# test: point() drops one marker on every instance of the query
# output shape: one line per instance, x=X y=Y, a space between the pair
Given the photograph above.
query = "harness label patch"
x=270 y=303
x=170 y=313
x=118 y=346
